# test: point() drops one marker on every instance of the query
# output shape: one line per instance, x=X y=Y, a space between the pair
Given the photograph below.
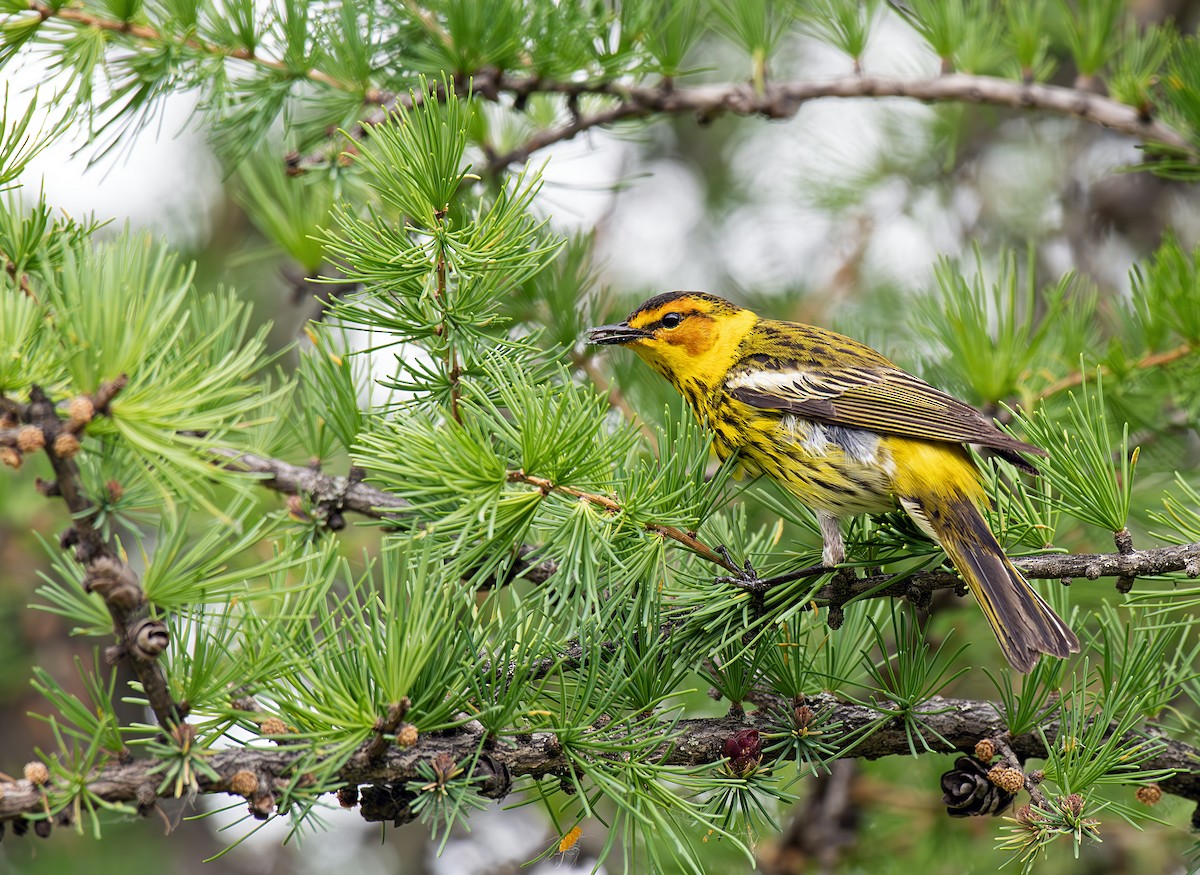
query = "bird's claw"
x=747 y=578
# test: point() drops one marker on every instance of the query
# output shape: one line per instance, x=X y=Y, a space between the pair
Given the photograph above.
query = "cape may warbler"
x=847 y=432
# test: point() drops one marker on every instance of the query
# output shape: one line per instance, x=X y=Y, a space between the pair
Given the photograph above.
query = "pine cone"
x=383 y=802
x=967 y=792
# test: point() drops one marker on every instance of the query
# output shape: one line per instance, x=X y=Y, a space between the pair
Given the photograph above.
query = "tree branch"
x=621 y=112
x=344 y=493
x=324 y=490
x=333 y=495
x=783 y=100
x=1051 y=566
x=690 y=742
x=140 y=637
x=775 y=100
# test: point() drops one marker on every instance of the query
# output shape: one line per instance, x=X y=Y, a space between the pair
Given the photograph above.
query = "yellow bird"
x=847 y=432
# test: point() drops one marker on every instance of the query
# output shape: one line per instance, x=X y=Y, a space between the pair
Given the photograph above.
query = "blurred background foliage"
x=1009 y=257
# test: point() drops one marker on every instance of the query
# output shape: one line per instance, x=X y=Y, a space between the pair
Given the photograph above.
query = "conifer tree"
x=470 y=558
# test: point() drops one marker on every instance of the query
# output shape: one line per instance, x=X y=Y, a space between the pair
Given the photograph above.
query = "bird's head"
x=683 y=335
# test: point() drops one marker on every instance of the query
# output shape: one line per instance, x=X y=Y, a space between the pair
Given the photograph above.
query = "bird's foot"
x=746 y=578
x=749 y=580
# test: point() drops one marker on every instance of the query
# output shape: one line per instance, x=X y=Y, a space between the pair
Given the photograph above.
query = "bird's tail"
x=1024 y=624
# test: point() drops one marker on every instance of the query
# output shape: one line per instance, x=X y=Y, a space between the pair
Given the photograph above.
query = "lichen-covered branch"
x=324 y=490
x=692 y=742
x=1051 y=566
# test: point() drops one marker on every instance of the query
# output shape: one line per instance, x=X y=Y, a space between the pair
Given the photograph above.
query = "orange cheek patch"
x=695 y=335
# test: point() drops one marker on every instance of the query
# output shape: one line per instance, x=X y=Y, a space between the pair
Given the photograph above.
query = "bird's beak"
x=617 y=334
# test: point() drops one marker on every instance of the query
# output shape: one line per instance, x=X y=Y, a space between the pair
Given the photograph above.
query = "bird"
x=846 y=432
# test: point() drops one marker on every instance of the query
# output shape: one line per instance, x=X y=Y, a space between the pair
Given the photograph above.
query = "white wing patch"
x=773 y=381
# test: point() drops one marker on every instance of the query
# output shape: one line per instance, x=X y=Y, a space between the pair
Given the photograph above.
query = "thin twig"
x=1036 y=796
x=1154 y=360
x=325 y=490
x=678 y=535
x=778 y=101
x=519 y=155
x=1050 y=566
x=453 y=372
x=22 y=280
x=334 y=494
x=783 y=100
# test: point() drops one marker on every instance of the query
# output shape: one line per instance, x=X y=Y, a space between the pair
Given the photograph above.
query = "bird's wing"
x=876 y=398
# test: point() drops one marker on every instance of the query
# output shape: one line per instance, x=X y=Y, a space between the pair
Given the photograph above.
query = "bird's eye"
x=672 y=320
